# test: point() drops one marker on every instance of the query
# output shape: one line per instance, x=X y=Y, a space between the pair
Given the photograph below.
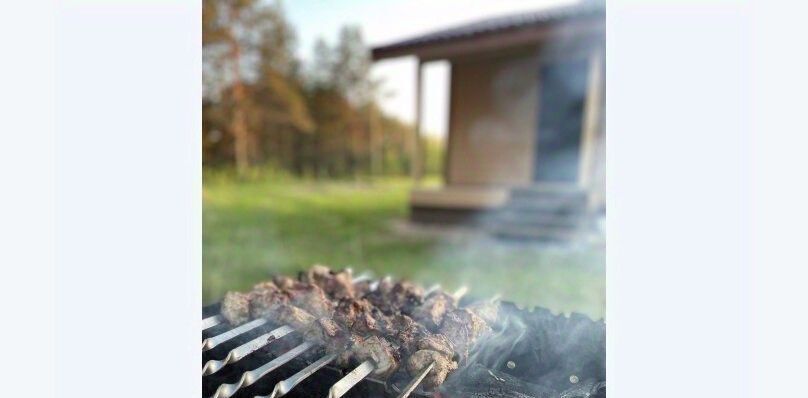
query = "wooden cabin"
x=525 y=147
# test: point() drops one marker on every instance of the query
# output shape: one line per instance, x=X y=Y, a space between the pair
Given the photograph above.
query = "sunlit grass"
x=271 y=223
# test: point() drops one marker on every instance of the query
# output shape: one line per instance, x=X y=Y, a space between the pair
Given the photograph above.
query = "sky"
x=385 y=21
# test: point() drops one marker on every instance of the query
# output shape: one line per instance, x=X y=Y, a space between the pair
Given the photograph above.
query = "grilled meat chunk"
x=407 y=295
x=362 y=288
x=463 y=327
x=284 y=282
x=421 y=359
x=357 y=315
x=377 y=349
x=401 y=297
x=435 y=306
x=336 y=285
x=263 y=297
x=404 y=331
x=292 y=316
x=487 y=310
x=324 y=330
x=379 y=321
x=311 y=298
x=236 y=307
x=265 y=285
x=385 y=285
x=438 y=343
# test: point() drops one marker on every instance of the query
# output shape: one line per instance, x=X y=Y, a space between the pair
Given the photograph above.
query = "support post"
x=593 y=107
x=417 y=151
x=592 y=143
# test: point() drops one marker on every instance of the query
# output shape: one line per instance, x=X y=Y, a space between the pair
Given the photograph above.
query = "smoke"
x=495 y=350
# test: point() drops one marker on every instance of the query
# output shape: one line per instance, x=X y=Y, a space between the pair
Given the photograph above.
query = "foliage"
x=260 y=106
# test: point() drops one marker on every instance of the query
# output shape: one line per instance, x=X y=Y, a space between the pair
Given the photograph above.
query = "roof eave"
x=487 y=41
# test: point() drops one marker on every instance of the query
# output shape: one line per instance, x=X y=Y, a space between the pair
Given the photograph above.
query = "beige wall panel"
x=492 y=127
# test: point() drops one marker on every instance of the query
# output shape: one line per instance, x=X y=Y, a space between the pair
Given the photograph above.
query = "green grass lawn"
x=276 y=224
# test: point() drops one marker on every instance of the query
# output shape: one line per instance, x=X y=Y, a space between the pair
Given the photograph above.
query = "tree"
x=249 y=67
x=343 y=71
x=351 y=67
x=261 y=106
x=225 y=23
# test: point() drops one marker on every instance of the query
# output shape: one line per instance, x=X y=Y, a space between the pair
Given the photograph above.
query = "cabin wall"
x=492 y=126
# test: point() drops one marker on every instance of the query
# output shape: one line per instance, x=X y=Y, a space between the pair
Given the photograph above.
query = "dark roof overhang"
x=498 y=32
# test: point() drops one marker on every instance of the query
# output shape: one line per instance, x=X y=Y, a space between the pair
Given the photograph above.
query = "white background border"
x=706 y=172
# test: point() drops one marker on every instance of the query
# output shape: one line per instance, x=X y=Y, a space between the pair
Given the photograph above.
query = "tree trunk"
x=298 y=154
x=241 y=137
x=376 y=150
x=238 y=125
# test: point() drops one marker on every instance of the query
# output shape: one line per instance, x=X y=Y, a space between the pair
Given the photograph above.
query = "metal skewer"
x=211 y=321
x=211 y=342
x=415 y=382
x=431 y=289
x=245 y=349
x=252 y=376
x=459 y=293
x=365 y=276
x=351 y=379
x=284 y=386
x=375 y=284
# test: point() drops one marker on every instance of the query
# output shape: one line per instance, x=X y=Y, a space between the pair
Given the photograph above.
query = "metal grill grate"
x=258 y=362
x=262 y=359
x=259 y=368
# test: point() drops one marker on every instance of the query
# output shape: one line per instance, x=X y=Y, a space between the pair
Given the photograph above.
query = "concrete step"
x=551 y=205
x=533 y=233
x=509 y=216
x=544 y=212
x=570 y=193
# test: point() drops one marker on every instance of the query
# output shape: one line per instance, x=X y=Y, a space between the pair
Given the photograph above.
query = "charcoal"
x=477 y=381
x=545 y=348
x=586 y=389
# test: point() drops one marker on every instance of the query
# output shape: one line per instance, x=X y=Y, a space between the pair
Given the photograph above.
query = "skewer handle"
x=245 y=349
x=211 y=321
x=211 y=342
x=252 y=376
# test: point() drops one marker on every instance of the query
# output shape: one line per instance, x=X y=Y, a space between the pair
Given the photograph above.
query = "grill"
x=532 y=354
